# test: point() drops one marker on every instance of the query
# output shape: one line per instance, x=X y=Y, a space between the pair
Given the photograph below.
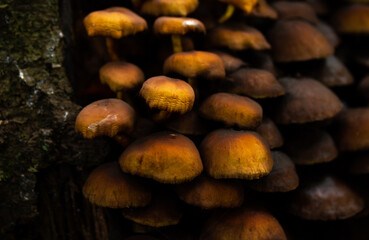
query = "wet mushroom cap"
x=282 y=178
x=295 y=10
x=169 y=7
x=115 y=22
x=232 y=110
x=238 y=37
x=235 y=154
x=255 y=83
x=244 y=5
x=168 y=94
x=178 y=25
x=195 y=64
x=306 y=100
x=352 y=19
x=327 y=198
x=105 y=117
x=165 y=157
x=242 y=223
x=269 y=131
x=108 y=186
x=121 y=76
x=296 y=40
x=207 y=193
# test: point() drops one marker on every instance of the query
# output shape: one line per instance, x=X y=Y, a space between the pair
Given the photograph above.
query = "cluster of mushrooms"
x=262 y=107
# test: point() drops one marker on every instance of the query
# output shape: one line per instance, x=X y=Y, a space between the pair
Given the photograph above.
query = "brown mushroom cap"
x=208 y=193
x=263 y=10
x=270 y=132
x=352 y=133
x=295 y=10
x=244 y=5
x=107 y=186
x=195 y=64
x=189 y=123
x=115 y=22
x=296 y=40
x=309 y=145
x=121 y=76
x=178 y=25
x=235 y=154
x=242 y=223
x=238 y=37
x=352 y=19
x=231 y=63
x=282 y=178
x=255 y=83
x=163 y=210
x=306 y=100
x=168 y=94
x=232 y=110
x=169 y=7
x=105 y=117
x=325 y=199
x=329 y=33
x=165 y=157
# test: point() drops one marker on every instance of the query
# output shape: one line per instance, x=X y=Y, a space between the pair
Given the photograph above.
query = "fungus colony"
x=225 y=112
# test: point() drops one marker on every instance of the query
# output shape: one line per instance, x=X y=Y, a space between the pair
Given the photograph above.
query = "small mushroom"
x=244 y=5
x=270 y=132
x=230 y=62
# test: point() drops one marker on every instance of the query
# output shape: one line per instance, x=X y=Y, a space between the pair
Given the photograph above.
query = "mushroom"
x=230 y=62
x=169 y=7
x=328 y=33
x=352 y=19
x=244 y=5
x=270 y=132
x=295 y=10
x=263 y=10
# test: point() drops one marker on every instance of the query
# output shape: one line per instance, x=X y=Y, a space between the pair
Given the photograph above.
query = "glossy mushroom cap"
x=263 y=10
x=121 y=76
x=238 y=37
x=242 y=223
x=352 y=19
x=296 y=40
x=235 y=154
x=115 y=22
x=270 y=132
x=282 y=178
x=295 y=10
x=195 y=64
x=232 y=110
x=325 y=199
x=244 y=5
x=208 y=193
x=178 y=25
x=169 y=7
x=168 y=94
x=165 y=157
x=255 y=83
x=306 y=100
x=105 y=117
x=108 y=186
x=308 y=145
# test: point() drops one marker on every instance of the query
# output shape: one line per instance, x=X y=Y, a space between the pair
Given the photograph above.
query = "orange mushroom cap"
x=169 y=7
x=178 y=25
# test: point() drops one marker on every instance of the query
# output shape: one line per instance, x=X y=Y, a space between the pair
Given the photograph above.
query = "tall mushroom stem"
x=110 y=46
x=177 y=43
x=228 y=13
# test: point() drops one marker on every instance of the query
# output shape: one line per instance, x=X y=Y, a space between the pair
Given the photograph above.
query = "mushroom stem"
x=110 y=46
x=228 y=13
x=177 y=43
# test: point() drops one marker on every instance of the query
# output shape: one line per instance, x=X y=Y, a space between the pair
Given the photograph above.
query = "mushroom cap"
x=157 y=156
x=195 y=64
x=263 y=10
x=255 y=83
x=352 y=19
x=168 y=94
x=242 y=223
x=352 y=129
x=282 y=178
x=295 y=10
x=327 y=198
x=309 y=145
x=105 y=117
x=244 y=5
x=334 y=73
x=238 y=37
x=121 y=76
x=231 y=63
x=328 y=33
x=270 y=133
x=296 y=40
x=306 y=100
x=235 y=154
x=169 y=7
x=232 y=110
x=108 y=186
x=178 y=26
x=163 y=210
x=208 y=193
x=115 y=22
x=189 y=123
